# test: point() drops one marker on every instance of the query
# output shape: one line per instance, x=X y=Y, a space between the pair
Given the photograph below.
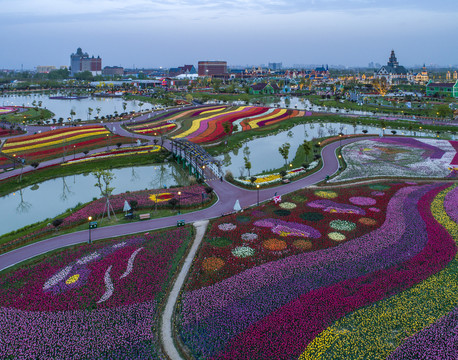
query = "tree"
x=247 y=164
x=72 y=113
x=381 y=86
x=284 y=152
x=189 y=98
x=89 y=112
x=124 y=106
x=307 y=148
x=104 y=178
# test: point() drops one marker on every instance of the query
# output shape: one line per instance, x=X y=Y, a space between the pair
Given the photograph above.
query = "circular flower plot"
x=212 y=264
x=226 y=226
x=311 y=216
x=367 y=221
x=302 y=244
x=282 y=212
x=243 y=219
x=374 y=209
x=249 y=236
x=362 y=200
x=243 y=252
x=342 y=225
x=220 y=242
x=326 y=194
x=337 y=236
x=288 y=205
x=274 y=245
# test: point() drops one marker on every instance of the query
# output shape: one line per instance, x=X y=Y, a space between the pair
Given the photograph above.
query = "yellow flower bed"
x=50 y=136
x=254 y=123
x=380 y=328
x=109 y=155
x=196 y=123
x=55 y=142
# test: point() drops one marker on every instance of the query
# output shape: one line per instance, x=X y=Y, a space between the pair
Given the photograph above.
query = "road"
x=227 y=195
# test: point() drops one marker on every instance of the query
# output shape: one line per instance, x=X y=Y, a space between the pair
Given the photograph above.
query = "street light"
x=90 y=227
x=340 y=139
x=179 y=208
x=108 y=136
x=74 y=146
x=257 y=188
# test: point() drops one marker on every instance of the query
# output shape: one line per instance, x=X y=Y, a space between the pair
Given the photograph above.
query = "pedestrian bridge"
x=195 y=158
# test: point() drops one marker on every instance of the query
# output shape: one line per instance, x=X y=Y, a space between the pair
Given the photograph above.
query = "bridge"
x=194 y=157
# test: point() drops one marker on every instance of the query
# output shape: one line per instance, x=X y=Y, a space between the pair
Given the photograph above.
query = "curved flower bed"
x=399 y=157
x=51 y=144
x=274 y=304
x=49 y=312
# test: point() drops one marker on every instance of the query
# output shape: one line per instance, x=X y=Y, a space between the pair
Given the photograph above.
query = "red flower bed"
x=215 y=128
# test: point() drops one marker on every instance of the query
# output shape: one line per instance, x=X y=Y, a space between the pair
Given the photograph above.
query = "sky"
x=169 y=33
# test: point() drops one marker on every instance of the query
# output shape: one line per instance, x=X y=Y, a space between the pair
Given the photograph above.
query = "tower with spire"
x=393 y=62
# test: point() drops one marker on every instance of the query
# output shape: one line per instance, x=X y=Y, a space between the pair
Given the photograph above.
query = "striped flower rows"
x=275 y=300
x=54 y=143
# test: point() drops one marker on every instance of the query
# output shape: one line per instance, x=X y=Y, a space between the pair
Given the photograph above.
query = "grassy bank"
x=9 y=185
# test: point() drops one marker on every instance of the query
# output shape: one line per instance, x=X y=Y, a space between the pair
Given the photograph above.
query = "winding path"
x=227 y=196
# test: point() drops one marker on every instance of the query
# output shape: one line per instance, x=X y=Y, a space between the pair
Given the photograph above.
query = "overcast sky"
x=150 y=33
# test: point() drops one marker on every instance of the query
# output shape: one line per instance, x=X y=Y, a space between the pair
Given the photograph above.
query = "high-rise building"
x=211 y=68
x=275 y=66
x=80 y=62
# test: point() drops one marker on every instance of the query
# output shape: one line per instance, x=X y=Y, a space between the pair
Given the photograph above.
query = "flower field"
x=53 y=143
x=146 y=199
x=203 y=125
x=340 y=273
x=399 y=157
x=96 y=300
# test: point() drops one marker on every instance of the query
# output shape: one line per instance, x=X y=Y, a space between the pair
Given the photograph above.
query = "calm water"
x=264 y=153
x=51 y=198
x=62 y=108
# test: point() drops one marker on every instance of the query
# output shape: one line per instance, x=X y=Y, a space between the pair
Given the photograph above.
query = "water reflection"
x=83 y=109
x=51 y=198
x=264 y=154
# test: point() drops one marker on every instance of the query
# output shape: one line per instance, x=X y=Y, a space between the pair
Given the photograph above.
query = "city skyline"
x=147 y=33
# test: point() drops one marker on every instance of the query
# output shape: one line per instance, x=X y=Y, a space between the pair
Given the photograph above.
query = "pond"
x=258 y=148
x=62 y=108
x=51 y=198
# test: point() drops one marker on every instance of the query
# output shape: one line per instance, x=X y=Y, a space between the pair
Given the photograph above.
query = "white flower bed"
x=369 y=158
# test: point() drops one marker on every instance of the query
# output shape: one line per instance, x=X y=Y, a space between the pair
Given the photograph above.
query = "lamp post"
x=74 y=146
x=340 y=139
x=90 y=227
x=257 y=188
x=108 y=136
x=14 y=161
x=179 y=207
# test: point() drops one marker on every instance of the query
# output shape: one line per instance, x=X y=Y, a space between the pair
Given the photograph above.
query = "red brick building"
x=212 y=68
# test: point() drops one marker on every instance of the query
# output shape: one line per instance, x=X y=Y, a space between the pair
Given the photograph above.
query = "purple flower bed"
x=451 y=204
x=431 y=151
x=94 y=301
x=436 y=342
x=252 y=313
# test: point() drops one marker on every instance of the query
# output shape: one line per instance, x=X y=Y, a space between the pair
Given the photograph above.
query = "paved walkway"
x=227 y=196
x=167 y=315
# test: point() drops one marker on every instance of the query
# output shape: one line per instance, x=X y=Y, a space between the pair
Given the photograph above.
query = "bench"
x=145 y=216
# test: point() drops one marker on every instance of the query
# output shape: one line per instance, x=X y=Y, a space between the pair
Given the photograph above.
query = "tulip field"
x=146 y=200
x=361 y=272
x=400 y=157
x=52 y=144
x=205 y=125
x=92 y=301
